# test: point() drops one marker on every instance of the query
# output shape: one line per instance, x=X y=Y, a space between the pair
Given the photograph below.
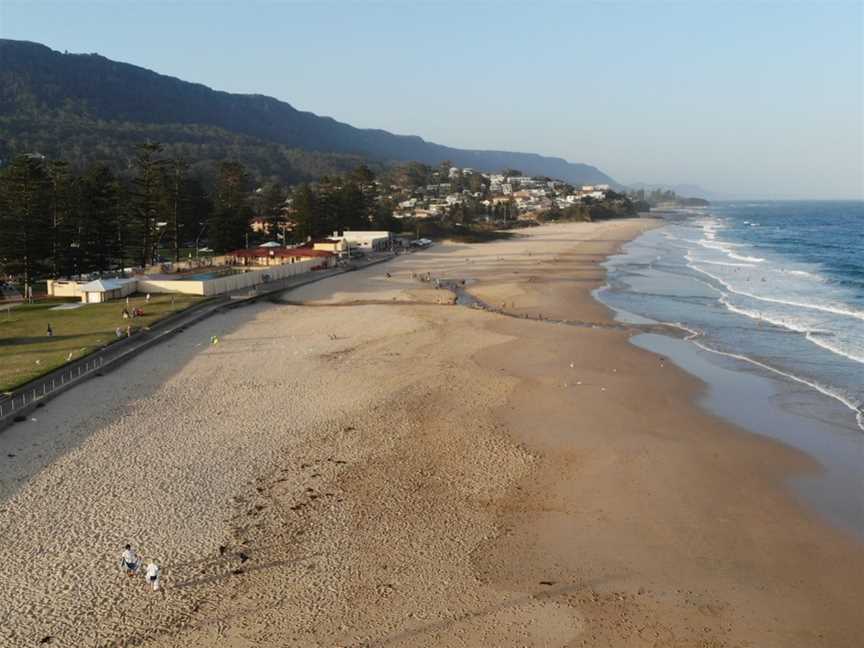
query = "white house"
x=371 y=240
x=597 y=195
x=102 y=290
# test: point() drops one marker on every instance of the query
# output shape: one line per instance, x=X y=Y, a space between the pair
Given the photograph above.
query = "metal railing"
x=24 y=398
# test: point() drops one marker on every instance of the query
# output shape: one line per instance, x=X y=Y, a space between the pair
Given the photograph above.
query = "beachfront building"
x=368 y=241
x=280 y=256
x=63 y=287
x=334 y=245
x=102 y=290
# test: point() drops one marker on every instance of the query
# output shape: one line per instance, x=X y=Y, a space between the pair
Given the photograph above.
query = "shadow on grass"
x=35 y=339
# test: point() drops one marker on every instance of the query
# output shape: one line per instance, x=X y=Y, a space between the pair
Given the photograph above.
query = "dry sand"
x=377 y=468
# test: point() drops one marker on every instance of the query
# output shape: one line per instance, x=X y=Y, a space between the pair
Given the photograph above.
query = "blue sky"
x=747 y=98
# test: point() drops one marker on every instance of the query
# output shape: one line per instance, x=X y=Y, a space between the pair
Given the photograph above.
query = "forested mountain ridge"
x=45 y=94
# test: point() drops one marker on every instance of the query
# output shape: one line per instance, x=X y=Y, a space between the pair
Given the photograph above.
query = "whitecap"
x=825 y=308
x=852 y=405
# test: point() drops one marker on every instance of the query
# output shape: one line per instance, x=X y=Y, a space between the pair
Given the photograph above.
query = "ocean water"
x=776 y=286
x=770 y=299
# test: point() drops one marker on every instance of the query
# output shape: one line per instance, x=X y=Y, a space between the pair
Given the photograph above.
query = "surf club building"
x=273 y=256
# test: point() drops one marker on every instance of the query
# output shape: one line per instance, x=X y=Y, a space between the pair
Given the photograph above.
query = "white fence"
x=228 y=283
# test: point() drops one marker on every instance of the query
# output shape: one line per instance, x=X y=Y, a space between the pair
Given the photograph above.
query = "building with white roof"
x=102 y=290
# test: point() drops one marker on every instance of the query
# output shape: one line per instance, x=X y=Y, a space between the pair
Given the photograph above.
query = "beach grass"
x=27 y=352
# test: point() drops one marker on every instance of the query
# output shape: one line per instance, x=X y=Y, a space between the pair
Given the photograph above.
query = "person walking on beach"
x=129 y=561
x=152 y=575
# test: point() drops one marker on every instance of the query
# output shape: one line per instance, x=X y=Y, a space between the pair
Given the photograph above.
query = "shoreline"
x=776 y=405
x=408 y=473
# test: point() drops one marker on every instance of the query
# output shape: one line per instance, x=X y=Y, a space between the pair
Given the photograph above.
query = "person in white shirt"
x=130 y=562
x=152 y=575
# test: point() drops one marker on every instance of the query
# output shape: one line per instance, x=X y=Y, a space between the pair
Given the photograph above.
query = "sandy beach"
x=366 y=463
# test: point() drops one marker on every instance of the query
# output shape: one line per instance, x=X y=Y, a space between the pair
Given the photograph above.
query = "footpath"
x=15 y=406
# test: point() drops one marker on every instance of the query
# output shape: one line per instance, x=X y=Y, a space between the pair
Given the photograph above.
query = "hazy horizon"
x=757 y=101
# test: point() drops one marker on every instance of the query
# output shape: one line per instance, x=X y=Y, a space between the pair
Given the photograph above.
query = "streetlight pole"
x=198 y=238
x=162 y=227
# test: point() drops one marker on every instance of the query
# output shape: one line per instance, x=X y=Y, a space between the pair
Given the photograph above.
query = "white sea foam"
x=726 y=248
x=742 y=257
x=775 y=321
x=825 y=308
x=855 y=407
x=723 y=247
x=802 y=273
x=693 y=259
x=828 y=345
x=811 y=333
x=717 y=245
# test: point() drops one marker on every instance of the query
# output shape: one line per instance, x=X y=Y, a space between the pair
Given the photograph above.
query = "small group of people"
x=131 y=563
x=136 y=312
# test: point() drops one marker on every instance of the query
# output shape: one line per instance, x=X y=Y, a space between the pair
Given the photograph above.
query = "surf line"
x=693 y=335
x=820 y=307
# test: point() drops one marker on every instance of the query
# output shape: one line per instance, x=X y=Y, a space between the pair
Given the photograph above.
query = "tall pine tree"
x=148 y=200
x=25 y=205
x=230 y=221
x=62 y=197
x=178 y=203
x=99 y=233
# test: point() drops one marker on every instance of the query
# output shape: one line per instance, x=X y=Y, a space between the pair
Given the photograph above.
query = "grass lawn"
x=27 y=352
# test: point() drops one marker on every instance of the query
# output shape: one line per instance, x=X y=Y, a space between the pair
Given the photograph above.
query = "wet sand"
x=380 y=468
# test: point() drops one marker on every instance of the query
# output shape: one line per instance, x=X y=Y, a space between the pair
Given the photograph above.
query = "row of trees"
x=614 y=205
x=655 y=197
x=353 y=201
x=54 y=222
